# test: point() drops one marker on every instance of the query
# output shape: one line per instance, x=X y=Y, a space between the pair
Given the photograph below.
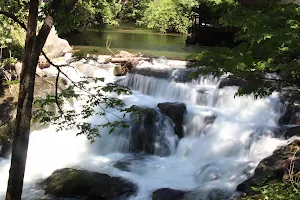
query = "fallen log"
x=120 y=60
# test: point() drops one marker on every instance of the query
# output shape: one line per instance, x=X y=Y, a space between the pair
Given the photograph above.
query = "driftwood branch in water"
x=125 y=59
x=108 y=43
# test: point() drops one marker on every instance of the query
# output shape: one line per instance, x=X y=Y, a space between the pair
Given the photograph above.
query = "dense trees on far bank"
x=266 y=56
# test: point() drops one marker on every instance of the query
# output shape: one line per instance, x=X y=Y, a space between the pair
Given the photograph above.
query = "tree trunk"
x=33 y=48
x=23 y=118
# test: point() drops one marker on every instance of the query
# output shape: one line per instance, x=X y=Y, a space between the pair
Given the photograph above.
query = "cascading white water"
x=225 y=139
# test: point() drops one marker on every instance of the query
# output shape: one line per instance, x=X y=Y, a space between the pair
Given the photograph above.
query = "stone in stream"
x=291 y=131
x=149 y=132
x=72 y=183
x=273 y=169
x=167 y=194
x=231 y=81
x=175 y=112
x=291 y=98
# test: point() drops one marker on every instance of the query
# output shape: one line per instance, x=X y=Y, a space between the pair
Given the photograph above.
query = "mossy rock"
x=272 y=175
x=70 y=183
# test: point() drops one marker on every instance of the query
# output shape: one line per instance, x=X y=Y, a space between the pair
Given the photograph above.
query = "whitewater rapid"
x=212 y=158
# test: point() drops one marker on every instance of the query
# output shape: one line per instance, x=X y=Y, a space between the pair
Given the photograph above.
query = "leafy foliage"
x=276 y=190
x=12 y=36
x=267 y=42
x=169 y=15
x=80 y=17
x=96 y=99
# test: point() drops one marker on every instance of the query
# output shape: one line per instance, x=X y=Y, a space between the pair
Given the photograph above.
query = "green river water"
x=133 y=39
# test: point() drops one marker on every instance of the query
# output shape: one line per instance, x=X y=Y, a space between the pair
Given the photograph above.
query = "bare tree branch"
x=56 y=93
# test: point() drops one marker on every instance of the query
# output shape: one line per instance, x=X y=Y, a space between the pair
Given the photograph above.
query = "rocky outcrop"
x=70 y=183
x=175 y=111
x=167 y=194
x=56 y=47
x=273 y=168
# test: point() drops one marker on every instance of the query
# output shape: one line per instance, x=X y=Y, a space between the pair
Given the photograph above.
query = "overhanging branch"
x=14 y=18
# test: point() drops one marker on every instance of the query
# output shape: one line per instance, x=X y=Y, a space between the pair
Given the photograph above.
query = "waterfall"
x=225 y=138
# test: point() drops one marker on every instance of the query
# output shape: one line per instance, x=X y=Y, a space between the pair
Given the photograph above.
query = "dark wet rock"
x=291 y=98
x=182 y=75
x=167 y=194
x=70 y=183
x=291 y=131
x=149 y=127
x=143 y=131
x=5 y=146
x=151 y=72
x=209 y=119
x=292 y=115
x=273 y=168
x=177 y=75
x=175 y=112
x=231 y=81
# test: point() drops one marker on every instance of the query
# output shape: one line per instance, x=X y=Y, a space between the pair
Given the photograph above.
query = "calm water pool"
x=134 y=40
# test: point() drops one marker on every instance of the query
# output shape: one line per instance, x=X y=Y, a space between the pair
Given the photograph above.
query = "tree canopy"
x=267 y=41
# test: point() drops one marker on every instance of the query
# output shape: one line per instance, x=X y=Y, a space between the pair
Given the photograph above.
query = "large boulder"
x=149 y=131
x=175 y=111
x=56 y=47
x=167 y=194
x=70 y=183
x=273 y=169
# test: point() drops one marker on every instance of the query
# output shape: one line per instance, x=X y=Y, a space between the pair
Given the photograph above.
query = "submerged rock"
x=175 y=112
x=70 y=183
x=167 y=194
x=274 y=168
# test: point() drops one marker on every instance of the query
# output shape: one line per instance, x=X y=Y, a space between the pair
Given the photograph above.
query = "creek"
x=212 y=158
